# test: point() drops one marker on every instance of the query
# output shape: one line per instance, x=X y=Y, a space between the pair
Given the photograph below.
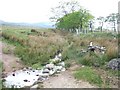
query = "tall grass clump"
x=40 y=49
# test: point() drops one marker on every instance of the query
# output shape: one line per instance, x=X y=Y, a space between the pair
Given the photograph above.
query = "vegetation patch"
x=88 y=74
x=37 y=48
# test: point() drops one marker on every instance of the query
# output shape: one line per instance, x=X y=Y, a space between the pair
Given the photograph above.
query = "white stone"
x=63 y=69
x=58 y=68
x=52 y=72
x=83 y=66
x=62 y=64
x=45 y=71
x=55 y=59
x=18 y=79
x=91 y=43
x=35 y=86
x=50 y=66
x=59 y=55
x=103 y=52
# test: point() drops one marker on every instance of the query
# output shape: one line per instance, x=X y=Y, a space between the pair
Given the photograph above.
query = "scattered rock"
x=114 y=64
x=49 y=66
x=83 y=51
x=82 y=66
x=52 y=72
x=31 y=77
x=24 y=69
x=58 y=68
x=63 y=69
x=45 y=71
x=92 y=48
x=41 y=79
x=62 y=64
x=35 y=86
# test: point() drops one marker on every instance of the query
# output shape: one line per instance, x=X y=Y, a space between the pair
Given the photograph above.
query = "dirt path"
x=65 y=80
x=10 y=62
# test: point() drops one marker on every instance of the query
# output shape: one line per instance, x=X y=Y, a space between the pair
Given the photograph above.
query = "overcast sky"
x=39 y=10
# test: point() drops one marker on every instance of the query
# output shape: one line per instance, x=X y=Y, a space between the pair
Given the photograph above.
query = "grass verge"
x=88 y=74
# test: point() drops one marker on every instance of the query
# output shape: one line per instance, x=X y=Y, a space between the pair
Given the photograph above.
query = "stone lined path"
x=65 y=80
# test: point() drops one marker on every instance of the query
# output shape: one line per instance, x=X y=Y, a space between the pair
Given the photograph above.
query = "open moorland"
x=22 y=47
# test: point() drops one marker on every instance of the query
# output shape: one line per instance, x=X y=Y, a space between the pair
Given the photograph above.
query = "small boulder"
x=62 y=64
x=41 y=79
x=52 y=72
x=58 y=68
x=45 y=71
x=63 y=69
x=50 y=66
x=114 y=64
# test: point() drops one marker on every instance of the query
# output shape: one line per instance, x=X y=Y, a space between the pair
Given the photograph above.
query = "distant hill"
x=40 y=24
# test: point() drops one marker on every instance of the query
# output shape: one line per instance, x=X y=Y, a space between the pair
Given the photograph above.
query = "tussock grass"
x=36 y=48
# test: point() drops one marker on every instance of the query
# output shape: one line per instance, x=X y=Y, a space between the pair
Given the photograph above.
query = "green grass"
x=111 y=72
x=88 y=74
x=37 y=66
x=34 y=49
x=91 y=59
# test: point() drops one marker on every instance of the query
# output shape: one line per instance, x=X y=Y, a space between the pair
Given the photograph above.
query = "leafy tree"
x=112 y=18
x=75 y=21
x=70 y=16
x=84 y=17
x=101 y=22
x=64 y=8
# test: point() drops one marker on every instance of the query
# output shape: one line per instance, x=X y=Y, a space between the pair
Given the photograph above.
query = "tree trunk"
x=77 y=32
x=81 y=27
x=102 y=27
x=114 y=27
